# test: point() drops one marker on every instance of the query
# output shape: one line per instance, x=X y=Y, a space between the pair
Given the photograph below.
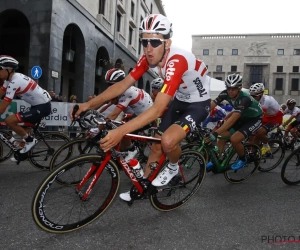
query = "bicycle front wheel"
x=59 y=208
x=40 y=155
x=290 y=172
x=184 y=185
x=253 y=156
x=273 y=158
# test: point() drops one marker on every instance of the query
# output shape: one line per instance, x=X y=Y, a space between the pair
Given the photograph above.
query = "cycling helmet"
x=257 y=88
x=233 y=80
x=290 y=101
x=156 y=24
x=8 y=62
x=157 y=83
x=114 y=75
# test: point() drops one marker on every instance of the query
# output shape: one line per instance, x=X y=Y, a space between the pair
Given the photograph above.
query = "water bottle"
x=13 y=141
x=136 y=168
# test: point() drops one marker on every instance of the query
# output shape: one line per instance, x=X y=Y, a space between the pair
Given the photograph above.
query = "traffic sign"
x=36 y=72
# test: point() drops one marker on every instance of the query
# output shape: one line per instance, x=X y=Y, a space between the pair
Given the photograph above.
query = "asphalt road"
x=252 y=215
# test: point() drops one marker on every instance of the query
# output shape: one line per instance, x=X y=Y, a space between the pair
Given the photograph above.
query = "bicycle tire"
x=6 y=152
x=195 y=146
x=253 y=155
x=290 y=168
x=66 y=151
x=193 y=169
x=40 y=155
x=58 y=208
x=277 y=149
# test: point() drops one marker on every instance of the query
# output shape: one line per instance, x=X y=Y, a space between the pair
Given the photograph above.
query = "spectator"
x=55 y=98
x=73 y=98
x=90 y=97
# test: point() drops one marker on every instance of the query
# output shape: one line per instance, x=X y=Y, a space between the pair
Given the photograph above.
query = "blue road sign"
x=36 y=72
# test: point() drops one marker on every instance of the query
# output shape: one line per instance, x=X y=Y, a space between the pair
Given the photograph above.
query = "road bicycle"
x=40 y=154
x=80 y=190
x=85 y=144
x=222 y=164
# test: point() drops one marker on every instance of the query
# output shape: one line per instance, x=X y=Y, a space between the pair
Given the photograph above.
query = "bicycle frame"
x=125 y=166
x=219 y=165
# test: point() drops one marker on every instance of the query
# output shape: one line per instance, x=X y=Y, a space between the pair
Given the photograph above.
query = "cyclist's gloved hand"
x=281 y=127
x=211 y=138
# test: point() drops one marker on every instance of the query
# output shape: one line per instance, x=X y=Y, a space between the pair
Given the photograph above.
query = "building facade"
x=75 y=41
x=273 y=59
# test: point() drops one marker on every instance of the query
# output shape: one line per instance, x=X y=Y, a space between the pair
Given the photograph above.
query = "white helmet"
x=233 y=80
x=157 y=83
x=156 y=24
x=8 y=62
x=257 y=88
x=114 y=75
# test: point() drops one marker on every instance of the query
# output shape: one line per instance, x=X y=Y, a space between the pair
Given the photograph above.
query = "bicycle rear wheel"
x=253 y=156
x=40 y=155
x=73 y=148
x=184 y=185
x=273 y=158
x=59 y=208
x=290 y=172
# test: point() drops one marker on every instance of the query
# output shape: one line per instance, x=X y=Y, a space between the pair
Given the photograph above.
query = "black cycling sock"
x=131 y=148
x=29 y=139
x=242 y=158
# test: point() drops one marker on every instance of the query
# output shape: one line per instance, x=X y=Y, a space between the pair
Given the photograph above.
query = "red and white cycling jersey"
x=137 y=99
x=183 y=74
x=26 y=88
x=294 y=112
x=270 y=106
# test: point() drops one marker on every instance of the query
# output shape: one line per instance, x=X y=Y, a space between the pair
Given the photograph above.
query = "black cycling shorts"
x=247 y=127
x=294 y=123
x=187 y=115
x=34 y=114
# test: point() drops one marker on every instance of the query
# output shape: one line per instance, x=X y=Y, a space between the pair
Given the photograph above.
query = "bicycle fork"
x=84 y=196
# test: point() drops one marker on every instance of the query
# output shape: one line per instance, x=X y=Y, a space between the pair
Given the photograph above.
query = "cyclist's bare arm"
x=2 y=93
x=155 y=111
x=4 y=104
x=110 y=93
x=228 y=116
x=212 y=105
x=229 y=123
x=113 y=115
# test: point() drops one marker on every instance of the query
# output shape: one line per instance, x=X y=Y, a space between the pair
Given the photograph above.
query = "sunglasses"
x=154 y=42
x=155 y=88
x=232 y=88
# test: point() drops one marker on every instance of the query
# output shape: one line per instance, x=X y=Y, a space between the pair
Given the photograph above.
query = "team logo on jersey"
x=170 y=69
x=202 y=91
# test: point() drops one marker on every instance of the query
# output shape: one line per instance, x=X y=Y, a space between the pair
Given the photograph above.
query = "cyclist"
x=295 y=113
x=184 y=74
x=156 y=86
x=134 y=98
x=217 y=114
x=29 y=91
x=244 y=120
x=283 y=106
x=272 y=115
